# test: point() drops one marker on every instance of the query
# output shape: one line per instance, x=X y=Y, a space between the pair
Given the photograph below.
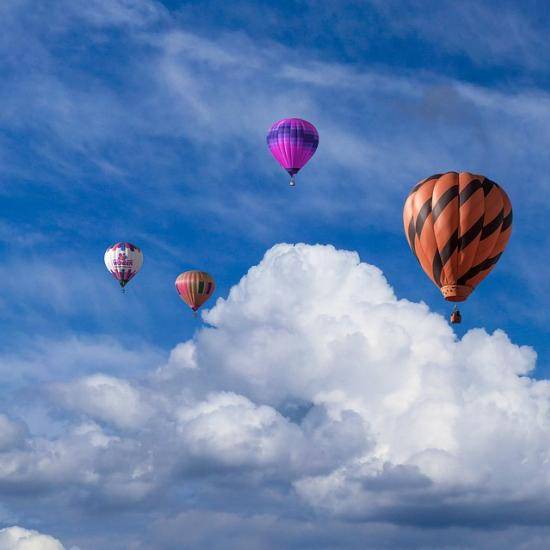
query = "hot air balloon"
x=123 y=260
x=292 y=141
x=195 y=287
x=457 y=226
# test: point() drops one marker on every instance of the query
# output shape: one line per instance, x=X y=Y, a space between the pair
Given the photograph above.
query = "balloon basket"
x=456 y=317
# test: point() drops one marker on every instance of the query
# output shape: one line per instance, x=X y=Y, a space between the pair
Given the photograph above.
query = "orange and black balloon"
x=457 y=226
x=195 y=287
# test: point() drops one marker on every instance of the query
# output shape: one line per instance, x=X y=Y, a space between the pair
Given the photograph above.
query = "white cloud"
x=313 y=387
x=229 y=429
x=12 y=433
x=106 y=398
x=18 y=538
x=315 y=325
x=514 y=38
x=117 y=13
x=43 y=360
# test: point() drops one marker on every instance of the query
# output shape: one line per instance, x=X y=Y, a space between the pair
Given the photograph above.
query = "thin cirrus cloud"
x=375 y=137
x=515 y=37
x=171 y=89
x=316 y=394
x=387 y=131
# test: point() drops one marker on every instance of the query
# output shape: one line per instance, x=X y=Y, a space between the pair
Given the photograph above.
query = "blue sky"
x=145 y=121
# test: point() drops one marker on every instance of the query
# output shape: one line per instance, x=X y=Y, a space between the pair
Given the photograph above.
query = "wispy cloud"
x=473 y=29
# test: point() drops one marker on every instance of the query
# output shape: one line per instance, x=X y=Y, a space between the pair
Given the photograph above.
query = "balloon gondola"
x=456 y=316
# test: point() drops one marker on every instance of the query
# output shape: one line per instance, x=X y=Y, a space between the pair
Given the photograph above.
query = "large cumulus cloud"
x=453 y=422
x=314 y=397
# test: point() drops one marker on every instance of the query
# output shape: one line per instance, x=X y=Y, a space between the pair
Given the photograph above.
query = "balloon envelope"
x=123 y=260
x=457 y=225
x=195 y=287
x=292 y=141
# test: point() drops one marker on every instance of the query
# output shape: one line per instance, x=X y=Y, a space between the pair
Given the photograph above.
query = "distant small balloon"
x=123 y=260
x=195 y=287
x=292 y=141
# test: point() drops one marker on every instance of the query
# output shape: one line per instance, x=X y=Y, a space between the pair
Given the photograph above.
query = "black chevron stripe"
x=442 y=256
x=422 y=216
x=471 y=234
x=437 y=267
x=469 y=190
x=472 y=272
x=416 y=188
x=412 y=235
x=444 y=200
x=487 y=186
x=434 y=177
x=506 y=222
x=419 y=185
x=449 y=248
x=492 y=226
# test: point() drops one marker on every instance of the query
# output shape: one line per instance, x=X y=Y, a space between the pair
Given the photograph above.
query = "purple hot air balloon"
x=292 y=141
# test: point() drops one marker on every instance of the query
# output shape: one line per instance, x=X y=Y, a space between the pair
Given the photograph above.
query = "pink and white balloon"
x=123 y=260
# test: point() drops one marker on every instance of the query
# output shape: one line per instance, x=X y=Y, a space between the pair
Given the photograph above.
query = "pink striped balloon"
x=195 y=287
x=292 y=141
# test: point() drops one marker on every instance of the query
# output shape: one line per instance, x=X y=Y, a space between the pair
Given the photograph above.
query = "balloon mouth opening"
x=456 y=293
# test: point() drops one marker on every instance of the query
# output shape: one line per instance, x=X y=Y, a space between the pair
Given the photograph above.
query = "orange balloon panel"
x=195 y=287
x=457 y=226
